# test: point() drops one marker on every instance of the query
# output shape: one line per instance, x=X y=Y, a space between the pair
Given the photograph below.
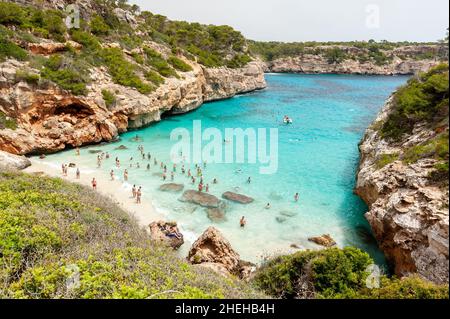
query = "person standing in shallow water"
x=296 y=197
x=133 y=191
x=243 y=222
x=125 y=175
x=138 y=195
x=94 y=184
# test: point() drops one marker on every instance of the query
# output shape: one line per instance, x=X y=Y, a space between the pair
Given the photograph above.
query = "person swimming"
x=268 y=206
x=243 y=222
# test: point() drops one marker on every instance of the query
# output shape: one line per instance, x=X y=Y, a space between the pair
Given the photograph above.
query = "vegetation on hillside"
x=379 y=53
x=7 y=122
x=61 y=240
x=212 y=46
x=338 y=273
x=423 y=100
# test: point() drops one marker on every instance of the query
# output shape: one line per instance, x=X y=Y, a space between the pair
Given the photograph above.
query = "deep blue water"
x=318 y=157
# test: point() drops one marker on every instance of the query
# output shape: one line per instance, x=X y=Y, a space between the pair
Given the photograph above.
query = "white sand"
x=145 y=213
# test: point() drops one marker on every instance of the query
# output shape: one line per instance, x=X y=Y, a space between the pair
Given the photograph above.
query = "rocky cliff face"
x=403 y=60
x=408 y=211
x=50 y=119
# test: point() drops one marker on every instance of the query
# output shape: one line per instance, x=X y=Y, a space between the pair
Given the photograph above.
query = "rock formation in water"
x=404 y=181
x=399 y=61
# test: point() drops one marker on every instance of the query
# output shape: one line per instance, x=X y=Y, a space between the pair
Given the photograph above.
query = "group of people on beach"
x=137 y=191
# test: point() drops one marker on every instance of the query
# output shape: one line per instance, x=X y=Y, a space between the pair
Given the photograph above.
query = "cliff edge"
x=403 y=177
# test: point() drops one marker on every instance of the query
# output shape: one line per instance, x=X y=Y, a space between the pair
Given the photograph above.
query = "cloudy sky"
x=320 y=20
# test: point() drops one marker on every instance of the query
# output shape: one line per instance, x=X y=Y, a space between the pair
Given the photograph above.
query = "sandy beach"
x=119 y=192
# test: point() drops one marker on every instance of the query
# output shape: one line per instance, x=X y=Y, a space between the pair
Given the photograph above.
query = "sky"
x=315 y=20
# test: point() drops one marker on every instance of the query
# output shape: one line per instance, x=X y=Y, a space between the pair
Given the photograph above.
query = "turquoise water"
x=318 y=157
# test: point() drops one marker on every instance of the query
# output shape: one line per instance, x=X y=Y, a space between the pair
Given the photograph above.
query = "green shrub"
x=335 y=55
x=386 y=159
x=11 y=50
x=406 y=288
x=11 y=14
x=65 y=76
x=437 y=148
x=239 y=61
x=422 y=99
x=327 y=273
x=336 y=273
x=109 y=98
x=51 y=230
x=155 y=60
x=88 y=41
x=98 y=25
x=179 y=64
x=7 y=122
x=122 y=71
x=154 y=77
x=440 y=174
x=23 y=75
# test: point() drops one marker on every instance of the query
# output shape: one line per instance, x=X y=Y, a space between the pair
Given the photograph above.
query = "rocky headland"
x=403 y=181
x=403 y=60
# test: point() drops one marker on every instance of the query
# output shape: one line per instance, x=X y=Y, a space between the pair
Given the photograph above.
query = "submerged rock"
x=159 y=233
x=287 y=213
x=199 y=198
x=10 y=161
x=171 y=187
x=238 y=198
x=324 y=240
x=94 y=151
x=121 y=148
x=216 y=215
x=281 y=219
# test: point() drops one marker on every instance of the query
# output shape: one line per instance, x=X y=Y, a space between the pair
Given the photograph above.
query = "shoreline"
x=117 y=190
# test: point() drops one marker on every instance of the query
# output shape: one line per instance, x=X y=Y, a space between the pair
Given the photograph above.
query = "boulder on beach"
x=213 y=251
x=11 y=161
x=72 y=165
x=216 y=215
x=238 y=198
x=171 y=187
x=199 y=198
x=324 y=240
x=158 y=233
x=121 y=148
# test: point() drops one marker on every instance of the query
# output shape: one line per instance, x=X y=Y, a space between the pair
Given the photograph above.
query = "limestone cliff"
x=50 y=119
x=399 y=61
x=408 y=211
